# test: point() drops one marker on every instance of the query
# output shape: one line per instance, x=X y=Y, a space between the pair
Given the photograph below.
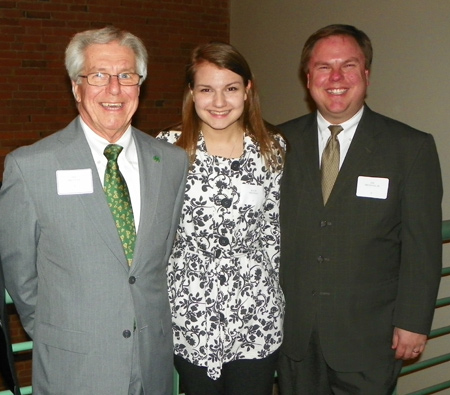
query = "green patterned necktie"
x=119 y=200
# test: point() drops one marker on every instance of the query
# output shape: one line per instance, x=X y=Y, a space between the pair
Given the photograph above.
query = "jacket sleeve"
x=421 y=241
x=19 y=234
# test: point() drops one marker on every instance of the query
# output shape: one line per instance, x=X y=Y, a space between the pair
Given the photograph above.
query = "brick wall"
x=35 y=93
x=23 y=359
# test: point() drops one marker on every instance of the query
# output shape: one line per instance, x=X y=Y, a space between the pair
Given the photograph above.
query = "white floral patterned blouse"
x=224 y=292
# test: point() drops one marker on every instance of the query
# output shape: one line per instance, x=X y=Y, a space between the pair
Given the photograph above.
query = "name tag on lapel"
x=372 y=187
x=74 y=182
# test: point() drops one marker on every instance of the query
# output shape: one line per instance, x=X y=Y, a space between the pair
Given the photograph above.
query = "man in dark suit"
x=361 y=268
x=6 y=357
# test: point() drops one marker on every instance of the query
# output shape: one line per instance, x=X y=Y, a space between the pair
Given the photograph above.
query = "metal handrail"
x=432 y=389
x=23 y=390
x=421 y=365
x=446 y=231
x=28 y=345
x=425 y=364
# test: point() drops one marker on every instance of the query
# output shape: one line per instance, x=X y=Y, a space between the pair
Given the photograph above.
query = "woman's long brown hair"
x=225 y=56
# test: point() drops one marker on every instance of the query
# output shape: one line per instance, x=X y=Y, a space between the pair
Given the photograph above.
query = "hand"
x=408 y=345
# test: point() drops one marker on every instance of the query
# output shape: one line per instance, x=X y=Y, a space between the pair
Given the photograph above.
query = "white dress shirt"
x=127 y=161
x=345 y=137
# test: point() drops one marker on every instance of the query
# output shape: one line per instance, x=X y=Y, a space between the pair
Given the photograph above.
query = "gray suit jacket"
x=65 y=267
x=360 y=266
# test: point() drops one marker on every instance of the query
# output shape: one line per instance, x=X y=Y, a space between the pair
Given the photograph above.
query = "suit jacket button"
x=126 y=333
x=132 y=280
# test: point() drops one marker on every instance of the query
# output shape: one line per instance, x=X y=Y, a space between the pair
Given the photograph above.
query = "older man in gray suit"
x=96 y=308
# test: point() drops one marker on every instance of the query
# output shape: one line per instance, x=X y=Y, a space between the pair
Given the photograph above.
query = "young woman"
x=227 y=304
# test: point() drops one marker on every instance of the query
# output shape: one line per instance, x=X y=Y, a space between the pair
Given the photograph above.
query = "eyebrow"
x=352 y=59
x=104 y=70
x=231 y=83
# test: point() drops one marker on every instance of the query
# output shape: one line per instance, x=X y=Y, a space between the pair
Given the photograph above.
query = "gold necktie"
x=330 y=162
x=119 y=201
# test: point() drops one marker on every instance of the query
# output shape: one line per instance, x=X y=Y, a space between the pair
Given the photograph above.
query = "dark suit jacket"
x=360 y=266
x=6 y=356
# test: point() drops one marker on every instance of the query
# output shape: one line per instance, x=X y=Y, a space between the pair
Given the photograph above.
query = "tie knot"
x=112 y=151
x=335 y=130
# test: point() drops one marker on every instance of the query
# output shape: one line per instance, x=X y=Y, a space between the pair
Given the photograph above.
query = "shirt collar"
x=348 y=125
x=98 y=143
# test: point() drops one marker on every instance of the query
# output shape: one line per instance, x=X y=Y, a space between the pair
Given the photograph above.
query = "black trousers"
x=241 y=377
x=313 y=376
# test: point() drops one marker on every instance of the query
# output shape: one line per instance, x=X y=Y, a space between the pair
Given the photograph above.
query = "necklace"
x=234 y=146
x=212 y=149
x=232 y=149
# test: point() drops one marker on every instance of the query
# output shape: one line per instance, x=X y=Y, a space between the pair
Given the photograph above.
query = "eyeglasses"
x=102 y=79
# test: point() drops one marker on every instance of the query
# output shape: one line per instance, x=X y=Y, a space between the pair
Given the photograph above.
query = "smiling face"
x=337 y=78
x=219 y=96
x=108 y=109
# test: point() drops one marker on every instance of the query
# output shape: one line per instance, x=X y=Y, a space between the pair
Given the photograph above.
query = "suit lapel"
x=76 y=154
x=150 y=174
x=359 y=153
x=308 y=156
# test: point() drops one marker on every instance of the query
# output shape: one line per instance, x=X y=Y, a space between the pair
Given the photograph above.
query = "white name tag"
x=74 y=182
x=372 y=187
x=251 y=194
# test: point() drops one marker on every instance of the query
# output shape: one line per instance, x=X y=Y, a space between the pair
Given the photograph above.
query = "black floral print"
x=224 y=289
